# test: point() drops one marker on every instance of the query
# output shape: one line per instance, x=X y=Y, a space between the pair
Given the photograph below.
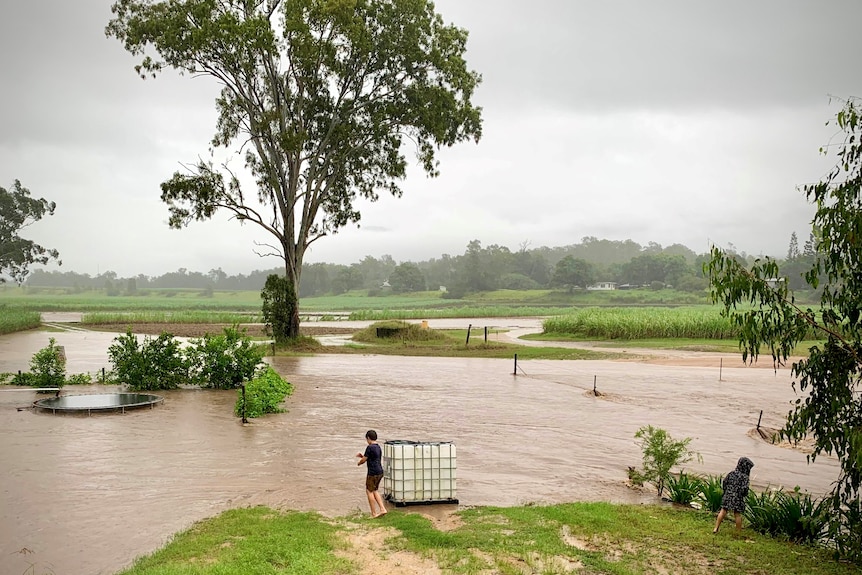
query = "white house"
x=603 y=286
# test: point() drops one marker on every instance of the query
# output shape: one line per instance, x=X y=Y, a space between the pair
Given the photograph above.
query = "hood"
x=744 y=465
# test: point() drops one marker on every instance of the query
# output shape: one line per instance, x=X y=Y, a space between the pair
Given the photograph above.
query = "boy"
x=373 y=455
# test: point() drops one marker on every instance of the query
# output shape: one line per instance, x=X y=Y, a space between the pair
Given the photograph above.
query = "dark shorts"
x=372 y=482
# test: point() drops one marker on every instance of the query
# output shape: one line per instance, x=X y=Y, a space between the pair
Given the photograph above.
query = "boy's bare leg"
x=370 y=495
x=719 y=519
x=380 y=503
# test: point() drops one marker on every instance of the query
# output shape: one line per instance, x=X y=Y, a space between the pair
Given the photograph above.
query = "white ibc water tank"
x=416 y=472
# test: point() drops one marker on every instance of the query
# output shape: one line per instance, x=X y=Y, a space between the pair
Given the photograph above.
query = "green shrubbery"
x=660 y=453
x=221 y=361
x=263 y=394
x=149 y=365
x=796 y=516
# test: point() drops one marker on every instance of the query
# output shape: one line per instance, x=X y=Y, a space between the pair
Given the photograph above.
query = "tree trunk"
x=292 y=274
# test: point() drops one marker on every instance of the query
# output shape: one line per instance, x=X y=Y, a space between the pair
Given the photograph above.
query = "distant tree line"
x=479 y=268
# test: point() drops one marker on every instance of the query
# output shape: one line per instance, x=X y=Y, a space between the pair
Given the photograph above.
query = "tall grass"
x=12 y=320
x=641 y=323
x=455 y=312
x=191 y=317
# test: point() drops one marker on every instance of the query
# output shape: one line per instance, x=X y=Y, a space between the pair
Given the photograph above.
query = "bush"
x=795 y=515
x=48 y=366
x=397 y=330
x=223 y=361
x=845 y=530
x=684 y=489
x=79 y=379
x=279 y=304
x=152 y=365
x=711 y=493
x=660 y=453
x=263 y=394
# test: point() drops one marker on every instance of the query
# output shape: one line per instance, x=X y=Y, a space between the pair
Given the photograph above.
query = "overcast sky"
x=668 y=121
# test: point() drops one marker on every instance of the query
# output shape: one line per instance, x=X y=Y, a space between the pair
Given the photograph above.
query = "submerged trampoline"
x=100 y=402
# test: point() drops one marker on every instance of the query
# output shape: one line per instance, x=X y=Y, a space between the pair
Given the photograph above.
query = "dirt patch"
x=369 y=552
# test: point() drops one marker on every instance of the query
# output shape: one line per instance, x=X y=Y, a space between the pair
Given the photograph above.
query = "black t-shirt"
x=373 y=454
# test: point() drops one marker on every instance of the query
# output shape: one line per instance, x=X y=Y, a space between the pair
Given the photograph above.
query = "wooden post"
x=244 y=419
x=469 y=327
x=594 y=385
x=720 y=365
x=516 y=365
x=758 y=420
x=486 y=334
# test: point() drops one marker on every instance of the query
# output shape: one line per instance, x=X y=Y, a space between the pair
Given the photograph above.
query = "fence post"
x=469 y=327
x=758 y=420
x=594 y=384
x=486 y=334
x=720 y=365
x=244 y=420
x=516 y=365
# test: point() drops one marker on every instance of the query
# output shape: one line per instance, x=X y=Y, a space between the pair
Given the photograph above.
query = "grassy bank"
x=589 y=538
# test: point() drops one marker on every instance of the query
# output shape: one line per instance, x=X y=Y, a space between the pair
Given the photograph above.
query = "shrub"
x=660 y=453
x=263 y=394
x=711 y=493
x=684 y=489
x=845 y=530
x=279 y=304
x=79 y=379
x=48 y=366
x=398 y=330
x=223 y=361
x=154 y=364
x=795 y=515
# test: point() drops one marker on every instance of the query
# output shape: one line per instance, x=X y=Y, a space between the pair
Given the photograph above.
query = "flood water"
x=86 y=495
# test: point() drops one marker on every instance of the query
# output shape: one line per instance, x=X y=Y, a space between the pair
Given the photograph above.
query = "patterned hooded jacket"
x=735 y=486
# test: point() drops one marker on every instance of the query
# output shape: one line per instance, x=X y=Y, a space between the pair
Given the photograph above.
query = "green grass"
x=588 y=538
x=12 y=320
x=179 y=316
x=415 y=341
x=249 y=542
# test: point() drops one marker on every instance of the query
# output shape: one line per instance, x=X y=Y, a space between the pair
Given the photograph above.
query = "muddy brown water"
x=87 y=495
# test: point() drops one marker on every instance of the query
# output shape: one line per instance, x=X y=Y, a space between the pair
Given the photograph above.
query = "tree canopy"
x=17 y=211
x=769 y=316
x=321 y=97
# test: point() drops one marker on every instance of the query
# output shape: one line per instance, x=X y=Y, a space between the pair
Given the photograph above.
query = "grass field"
x=594 y=538
x=702 y=322
x=12 y=320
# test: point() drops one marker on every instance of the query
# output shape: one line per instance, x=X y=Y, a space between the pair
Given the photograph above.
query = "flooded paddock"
x=86 y=495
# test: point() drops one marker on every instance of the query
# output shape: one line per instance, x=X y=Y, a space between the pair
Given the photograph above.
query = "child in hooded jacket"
x=735 y=487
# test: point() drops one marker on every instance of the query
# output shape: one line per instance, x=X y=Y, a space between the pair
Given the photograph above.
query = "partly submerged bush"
x=149 y=365
x=263 y=394
x=397 y=330
x=223 y=361
x=48 y=366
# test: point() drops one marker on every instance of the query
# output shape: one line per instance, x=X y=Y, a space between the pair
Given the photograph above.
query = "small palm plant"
x=711 y=493
x=684 y=489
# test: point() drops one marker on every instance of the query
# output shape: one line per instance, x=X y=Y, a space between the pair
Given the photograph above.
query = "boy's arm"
x=362 y=459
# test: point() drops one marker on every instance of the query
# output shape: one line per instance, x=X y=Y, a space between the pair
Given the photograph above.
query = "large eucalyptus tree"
x=323 y=98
